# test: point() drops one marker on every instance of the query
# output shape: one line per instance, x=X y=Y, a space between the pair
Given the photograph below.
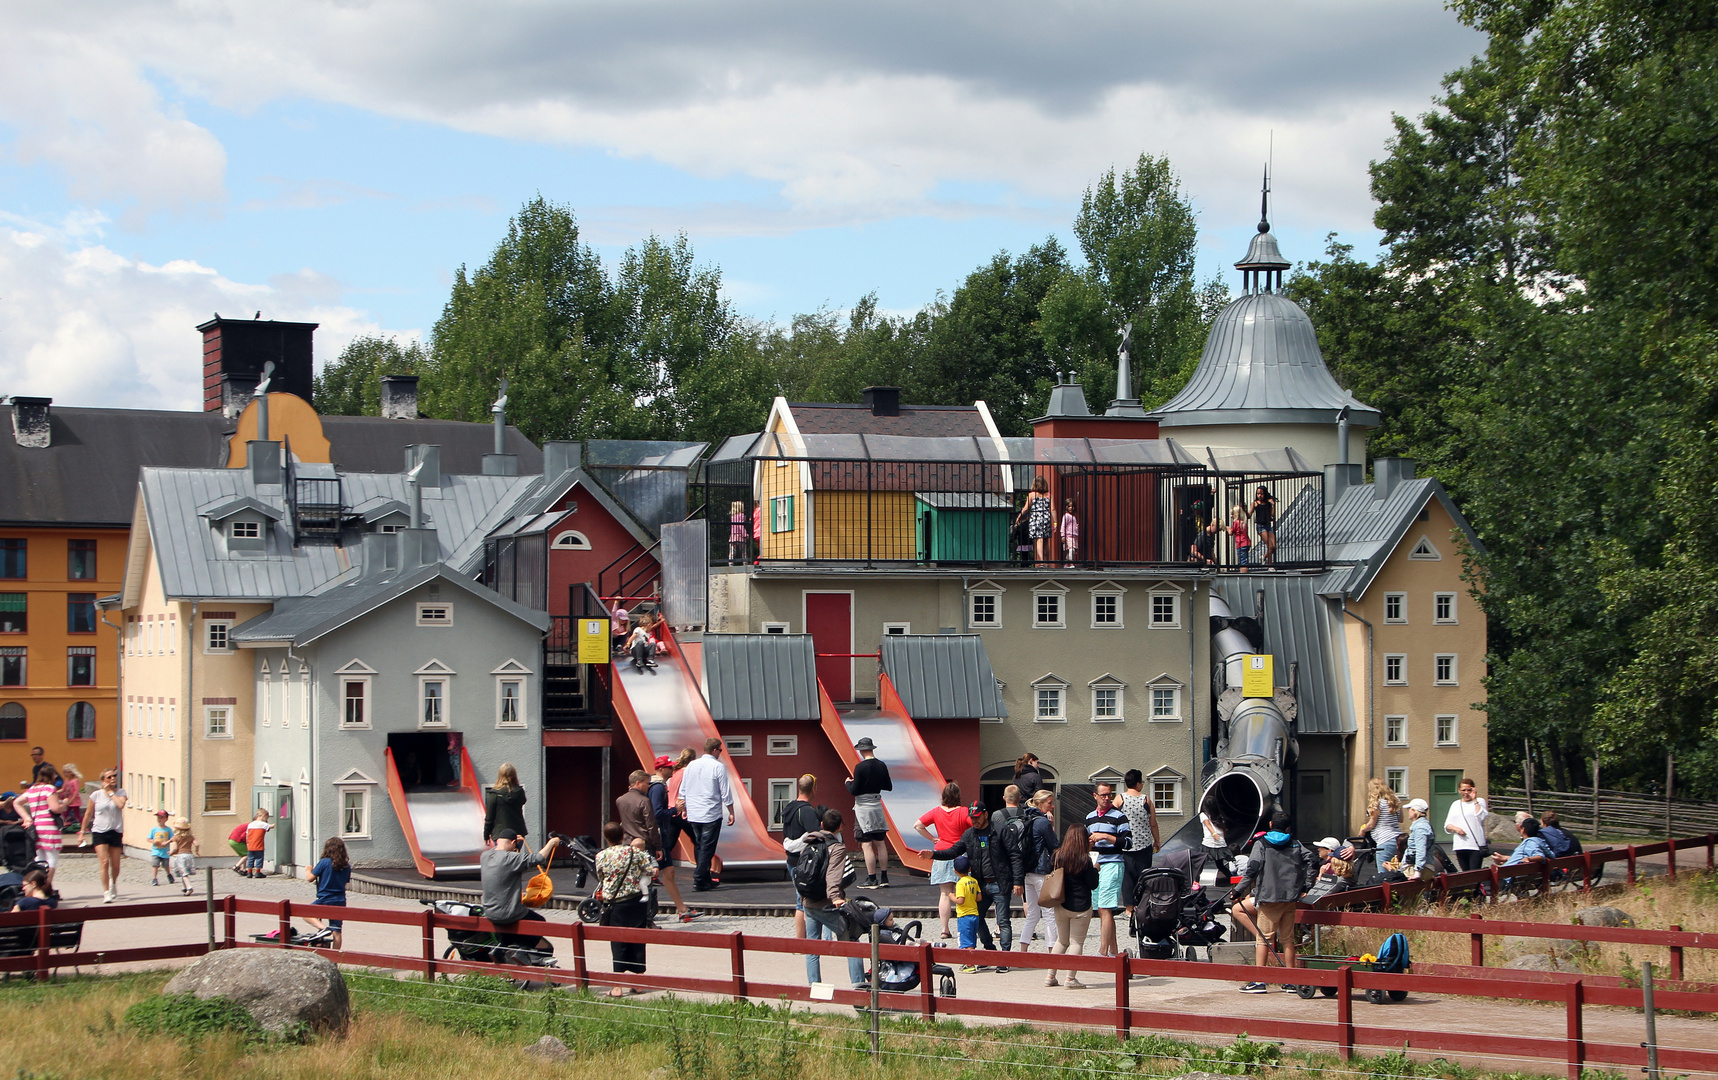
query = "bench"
x=21 y=940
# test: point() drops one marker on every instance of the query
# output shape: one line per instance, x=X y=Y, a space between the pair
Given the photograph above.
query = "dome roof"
x=1262 y=365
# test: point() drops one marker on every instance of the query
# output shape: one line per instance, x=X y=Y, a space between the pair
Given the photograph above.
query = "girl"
x=1037 y=516
x=1265 y=517
x=72 y=793
x=641 y=646
x=737 y=534
x=1074 y=913
x=1466 y=822
x=1238 y=531
x=106 y=826
x=183 y=860
x=1384 y=821
x=1027 y=777
x=37 y=807
x=36 y=893
x=331 y=873
x=1070 y=533
x=950 y=820
x=1044 y=840
x=504 y=803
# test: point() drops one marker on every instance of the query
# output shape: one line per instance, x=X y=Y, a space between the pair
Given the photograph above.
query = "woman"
x=331 y=873
x=73 y=795
x=950 y=820
x=1044 y=844
x=38 y=807
x=1417 y=853
x=623 y=875
x=668 y=826
x=36 y=893
x=1384 y=820
x=1027 y=776
x=1142 y=823
x=504 y=803
x=1074 y=913
x=1466 y=823
x=105 y=824
x=1039 y=519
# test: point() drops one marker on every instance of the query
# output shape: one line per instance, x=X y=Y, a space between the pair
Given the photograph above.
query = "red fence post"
x=1345 y=1012
x=1711 y=842
x=285 y=923
x=1572 y=1012
x=927 y=992
x=581 y=976
x=429 y=944
x=230 y=920
x=737 y=963
x=1124 y=1015
x=1675 y=957
x=1496 y=884
x=1587 y=863
x=1671 y=852
x=1478 y=945
x=41 y=944
x=1631 y=864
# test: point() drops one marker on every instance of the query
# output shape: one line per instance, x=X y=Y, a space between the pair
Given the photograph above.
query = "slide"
x=444 y=828
x=663 y=711
x=918 y=783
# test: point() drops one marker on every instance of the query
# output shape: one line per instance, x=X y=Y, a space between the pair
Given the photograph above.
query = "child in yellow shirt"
x=966 y=893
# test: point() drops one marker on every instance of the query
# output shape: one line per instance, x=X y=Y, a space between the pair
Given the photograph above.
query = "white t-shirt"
x=1205 y=829
x=106 y=815
x=1468 y=816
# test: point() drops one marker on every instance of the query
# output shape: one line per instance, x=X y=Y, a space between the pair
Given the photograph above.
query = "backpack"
x=1393 y=954
x=811 y=872
x=1016 y=837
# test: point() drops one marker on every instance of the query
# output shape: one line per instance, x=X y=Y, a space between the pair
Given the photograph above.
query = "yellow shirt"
x=966 y=896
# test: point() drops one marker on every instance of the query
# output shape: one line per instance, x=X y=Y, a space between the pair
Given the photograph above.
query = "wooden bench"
x=22 y=940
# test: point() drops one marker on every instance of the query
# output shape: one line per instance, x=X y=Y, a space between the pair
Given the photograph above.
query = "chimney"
x=237 y=388
x=500 y=464
x=429 y=455
x=883 y=400
x=1068 y=398
x=30 y=422
x=418 y=547
x=243 y=346
x=1338 y=479
x=399 y=397
x=558 y=457
x=378 y=554
x=1388 y=474
x=264 y=458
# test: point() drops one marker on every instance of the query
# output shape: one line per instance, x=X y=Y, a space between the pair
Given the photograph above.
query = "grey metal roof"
x=1300 y=627
x=1362 y=530
x=964 y=500
x=1262 y=364
x=301 y=620
x=1263 y=253
x=1237 y=459
x=943 y=676
x=761 y=677
x=960 y=448
x=924 y=421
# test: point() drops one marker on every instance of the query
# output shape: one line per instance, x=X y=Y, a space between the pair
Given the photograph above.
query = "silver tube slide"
x=1244 y=780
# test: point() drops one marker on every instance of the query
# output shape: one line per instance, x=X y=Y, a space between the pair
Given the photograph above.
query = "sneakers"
x=969 y=969
x=153 y=881
x=1050 y=980
x=688 y=916
x=999 y=969
x=870 y=882
x=883 y=880
x=1255 y=988
x=108 y=896
x=1287 y=989
x=1074 y=984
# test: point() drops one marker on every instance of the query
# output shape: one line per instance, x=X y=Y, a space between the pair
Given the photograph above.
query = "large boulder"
x=1604 y=915
x=1542 y=962
x=288 y=991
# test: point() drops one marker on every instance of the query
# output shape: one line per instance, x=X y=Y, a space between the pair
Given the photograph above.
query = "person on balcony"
x=1039 y=519
x=1238 y=532
x=1070 y=534
x=1265 y=520
x=738 y=537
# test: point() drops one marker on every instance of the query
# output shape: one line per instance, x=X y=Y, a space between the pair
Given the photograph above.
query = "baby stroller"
x=583 y=850
x=17 y=848
x=1171 y=909
x=894 y=976
x=486 y=946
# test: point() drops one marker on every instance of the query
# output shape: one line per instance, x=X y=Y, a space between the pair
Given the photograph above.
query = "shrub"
x=190 y=1018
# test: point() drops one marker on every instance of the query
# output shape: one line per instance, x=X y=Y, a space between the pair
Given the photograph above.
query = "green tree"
x=352 y=384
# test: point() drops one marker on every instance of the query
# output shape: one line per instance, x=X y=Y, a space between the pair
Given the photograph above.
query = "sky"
x=336 y=161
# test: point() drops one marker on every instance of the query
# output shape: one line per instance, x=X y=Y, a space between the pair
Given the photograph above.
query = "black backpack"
x=811 y=872
x=1016 y=837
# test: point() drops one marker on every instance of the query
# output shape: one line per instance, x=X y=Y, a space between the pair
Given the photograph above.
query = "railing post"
x=209 y=901
x=1344 y=1012
x=1572 y=1037
x=1675 y=957
x=1497 y=883
x=1124 y=1014
x=1711 y=842
x=581 y=975
x=1587 y=863
x=927 y=988
x=1478 y=940
x=1672 y=855
x=429 y=944
x=285 y=923
x=737 y=963
x=230 y=919
x=1631 y=864
x=41 y=944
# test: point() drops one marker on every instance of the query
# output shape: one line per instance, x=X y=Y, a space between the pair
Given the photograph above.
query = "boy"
x=255 y=833
x=159 y=837
x=966 y=893
x=1279 y=872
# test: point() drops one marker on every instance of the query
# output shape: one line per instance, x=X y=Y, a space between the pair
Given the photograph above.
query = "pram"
x=1173 y=910
x=486 y=946
x=17 y=849
x=583 y=851
x=894 y=976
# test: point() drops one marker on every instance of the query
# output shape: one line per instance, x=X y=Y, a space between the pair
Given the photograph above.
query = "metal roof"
x=303 y=620
x=1301 y=627
x=1232 y=459
x=1262 y=364
x=1263 y=253
x=967 y=448
x=964 y=500
x=761 y=677
x=1362 y=530
x=926 y=421
x=943 y=676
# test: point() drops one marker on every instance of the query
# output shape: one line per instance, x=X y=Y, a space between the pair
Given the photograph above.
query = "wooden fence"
x=1616 y=813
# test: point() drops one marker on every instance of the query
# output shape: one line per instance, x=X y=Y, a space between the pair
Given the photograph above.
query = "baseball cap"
x=162 y=814
x=976 y=809
x=962 y=864
x=663 y=761
x=1330 y=842
x=1418 y=804
x=865 y=744
x=507 y=834
x=882 y=916
x=8 y=794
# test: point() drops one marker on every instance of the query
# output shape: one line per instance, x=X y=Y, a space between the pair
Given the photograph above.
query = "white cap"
x=1330 y=843
x=1418 y=804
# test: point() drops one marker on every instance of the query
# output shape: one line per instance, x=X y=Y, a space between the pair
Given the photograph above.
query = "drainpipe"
x=190 y=699
x=1342 y=436
x=1193 y=694
x=262 y=401
x=1371 y=734
x=310 y=770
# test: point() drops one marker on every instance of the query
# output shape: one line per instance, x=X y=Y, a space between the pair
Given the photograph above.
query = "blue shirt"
x=1110 y=833
x=1530 y=847
x=704 y=787
x=330 y=883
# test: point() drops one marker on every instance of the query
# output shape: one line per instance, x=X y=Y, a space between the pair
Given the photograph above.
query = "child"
x=159 y=838
x=966 y=893
x=36 y=894
x=1238 y=530
x=641 y=646
x=1070 y=533
x=72 y=793
x=255 y=833
x=737 y=535
x=236 y=840
x=183 y=859
x=618 y=621
x=331 y=873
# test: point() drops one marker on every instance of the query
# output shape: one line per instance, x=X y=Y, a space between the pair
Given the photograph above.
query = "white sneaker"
x=109 y=896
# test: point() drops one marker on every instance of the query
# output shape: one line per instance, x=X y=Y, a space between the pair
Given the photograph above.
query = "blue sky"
x=337 y=161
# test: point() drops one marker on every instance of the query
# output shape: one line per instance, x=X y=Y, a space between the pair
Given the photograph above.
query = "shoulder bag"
x=1054 y=890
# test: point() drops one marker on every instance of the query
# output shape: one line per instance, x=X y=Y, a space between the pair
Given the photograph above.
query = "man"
x=798 y=820
x=704 y=794
x=1111 y=835
x=36 y=758
x=870 y=827
x=1279 y=872
x=823 y=915
x=1561 y=841
x=637 y=818
x=997 y=875
x=1017 y=843
x=501 y=869
x=1532 y=846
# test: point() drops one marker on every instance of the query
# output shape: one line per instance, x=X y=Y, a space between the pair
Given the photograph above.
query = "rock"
x=549 y=1048
x=1541 y=962
x=288 y=991
x=1603 y=916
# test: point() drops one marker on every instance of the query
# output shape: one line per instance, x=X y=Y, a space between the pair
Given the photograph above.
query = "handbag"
x=1054 y=889
x=539 y=890
x=1483 y=836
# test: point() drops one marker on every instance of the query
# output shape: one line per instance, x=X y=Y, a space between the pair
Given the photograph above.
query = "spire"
x=1265 y=202
x=1125 y=404
x=1262 y=269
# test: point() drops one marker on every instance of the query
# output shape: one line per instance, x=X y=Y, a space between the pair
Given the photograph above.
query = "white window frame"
x=775 y=628
x=364 y=699
x=1175 y=686
x=1401 y=739
x=737 y=745
x=1453 y=736
x=994 y=592
x=1108 y=590
x=572 y=540
x=244 y=530
x=897 y=629
x=1179 y=787
x=1440 y=598
x=226 y=712
x=1050 y=590
x=1106 y=682
x=1425 y=550
x=1454 y=676
x=1050 y=683
x=435 y=672
x=1396 y=779
x=513 y=672
x=363 y=793
x=1173 y=594
x=778 y=521
x=783 y=790
x=232 y=807
x=426 y=610
x=1401 y=660
x=517 y=682
x=210 y=628
x=1400 y=599
x=781 y=746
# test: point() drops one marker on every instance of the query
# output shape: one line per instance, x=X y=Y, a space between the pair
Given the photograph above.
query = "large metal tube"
x=1244 y=781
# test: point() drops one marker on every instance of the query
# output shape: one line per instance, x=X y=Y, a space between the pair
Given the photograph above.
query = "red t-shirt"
x=948 y=822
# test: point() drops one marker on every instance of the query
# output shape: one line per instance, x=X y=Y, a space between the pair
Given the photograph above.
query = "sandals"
x=622 y=991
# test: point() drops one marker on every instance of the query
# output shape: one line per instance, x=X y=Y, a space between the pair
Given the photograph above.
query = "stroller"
x=1172 y=909
x=894 y=976
x=17 y=849
x=486 y=946
x=583 y=851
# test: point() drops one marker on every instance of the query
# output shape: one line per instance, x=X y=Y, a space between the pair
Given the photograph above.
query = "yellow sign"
x=1256 y=680
x=593 y=641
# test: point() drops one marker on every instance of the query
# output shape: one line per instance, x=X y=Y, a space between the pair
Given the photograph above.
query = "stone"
x=1603 y=915
x=288 y=991
x=549 y=1048
x=1542 y=962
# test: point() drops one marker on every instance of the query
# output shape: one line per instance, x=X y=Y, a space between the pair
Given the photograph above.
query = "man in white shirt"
x=704 y=793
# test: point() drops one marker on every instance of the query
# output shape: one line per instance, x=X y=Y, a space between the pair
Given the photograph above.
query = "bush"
x=190 y=1018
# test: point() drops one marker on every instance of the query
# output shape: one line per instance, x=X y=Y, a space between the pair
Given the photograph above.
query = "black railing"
x=573 y=695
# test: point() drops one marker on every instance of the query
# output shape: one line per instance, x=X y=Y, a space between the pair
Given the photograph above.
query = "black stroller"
x=583 y=851
x=894 y=976
x=486 y=946
x=17 y=849
x=1172 y=909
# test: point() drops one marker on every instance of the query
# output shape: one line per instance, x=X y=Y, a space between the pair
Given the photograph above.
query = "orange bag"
x=539 y=890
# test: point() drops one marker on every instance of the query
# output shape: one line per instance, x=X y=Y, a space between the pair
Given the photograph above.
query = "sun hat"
x=865 y=744
x=1330 y=843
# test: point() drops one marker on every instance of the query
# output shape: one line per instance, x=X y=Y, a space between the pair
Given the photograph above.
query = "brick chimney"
x=30 y=421
x=243 y=346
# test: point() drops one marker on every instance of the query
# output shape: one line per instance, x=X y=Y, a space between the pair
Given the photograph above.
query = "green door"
x=1445 y=785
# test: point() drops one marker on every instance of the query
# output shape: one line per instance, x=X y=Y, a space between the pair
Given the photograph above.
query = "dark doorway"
x=427 y=760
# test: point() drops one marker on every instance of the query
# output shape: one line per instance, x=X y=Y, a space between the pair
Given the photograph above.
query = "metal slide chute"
x=1245 y=780
x=444 y=828
x=918 y=783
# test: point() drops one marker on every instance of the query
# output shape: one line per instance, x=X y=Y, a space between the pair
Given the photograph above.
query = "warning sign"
x=593 y=641
x=1256 y=676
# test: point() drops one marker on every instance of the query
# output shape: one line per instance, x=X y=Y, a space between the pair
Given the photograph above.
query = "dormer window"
x=244 y=530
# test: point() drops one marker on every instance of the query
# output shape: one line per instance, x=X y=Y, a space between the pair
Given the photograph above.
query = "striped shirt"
x=1110 y=833
x=35 y=800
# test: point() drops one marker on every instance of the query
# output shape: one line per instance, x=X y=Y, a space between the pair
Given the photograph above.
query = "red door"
x=829 y=621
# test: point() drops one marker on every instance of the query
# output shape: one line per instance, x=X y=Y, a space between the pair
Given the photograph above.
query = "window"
x=1444 y=607
x=775 y=628
x=1166 y=795
x=14 y=612
x=1395 y=669
x=217 y=637
x=1446 y=731
x=1047 y=609
x=509 y=703
x=1049 y=700
x=1397 y=779
x=1444 y=669
x=571 y=540
x=13 y=723
x=781 y=514
x=782 y=793
x=986 y=609
x=389 y=528
x=738 y=745
x=80 y=613
x=1106 y=703
x=782 y=746
x=80 y=722
x=1425 y=550
x=897 y=629
x=12 y=659
x=14 y=560
x=1395 y=731
x=1166 y=701
x=80 y=560
x=355 y=701
x=218 y=721
x=435 y=614
x=1165 y=610
x=1395 y=607
x=355 y=813
x=1106 y=611
x=80 y=666
x=244 y=530
x=217 y=796
x=432 y=702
